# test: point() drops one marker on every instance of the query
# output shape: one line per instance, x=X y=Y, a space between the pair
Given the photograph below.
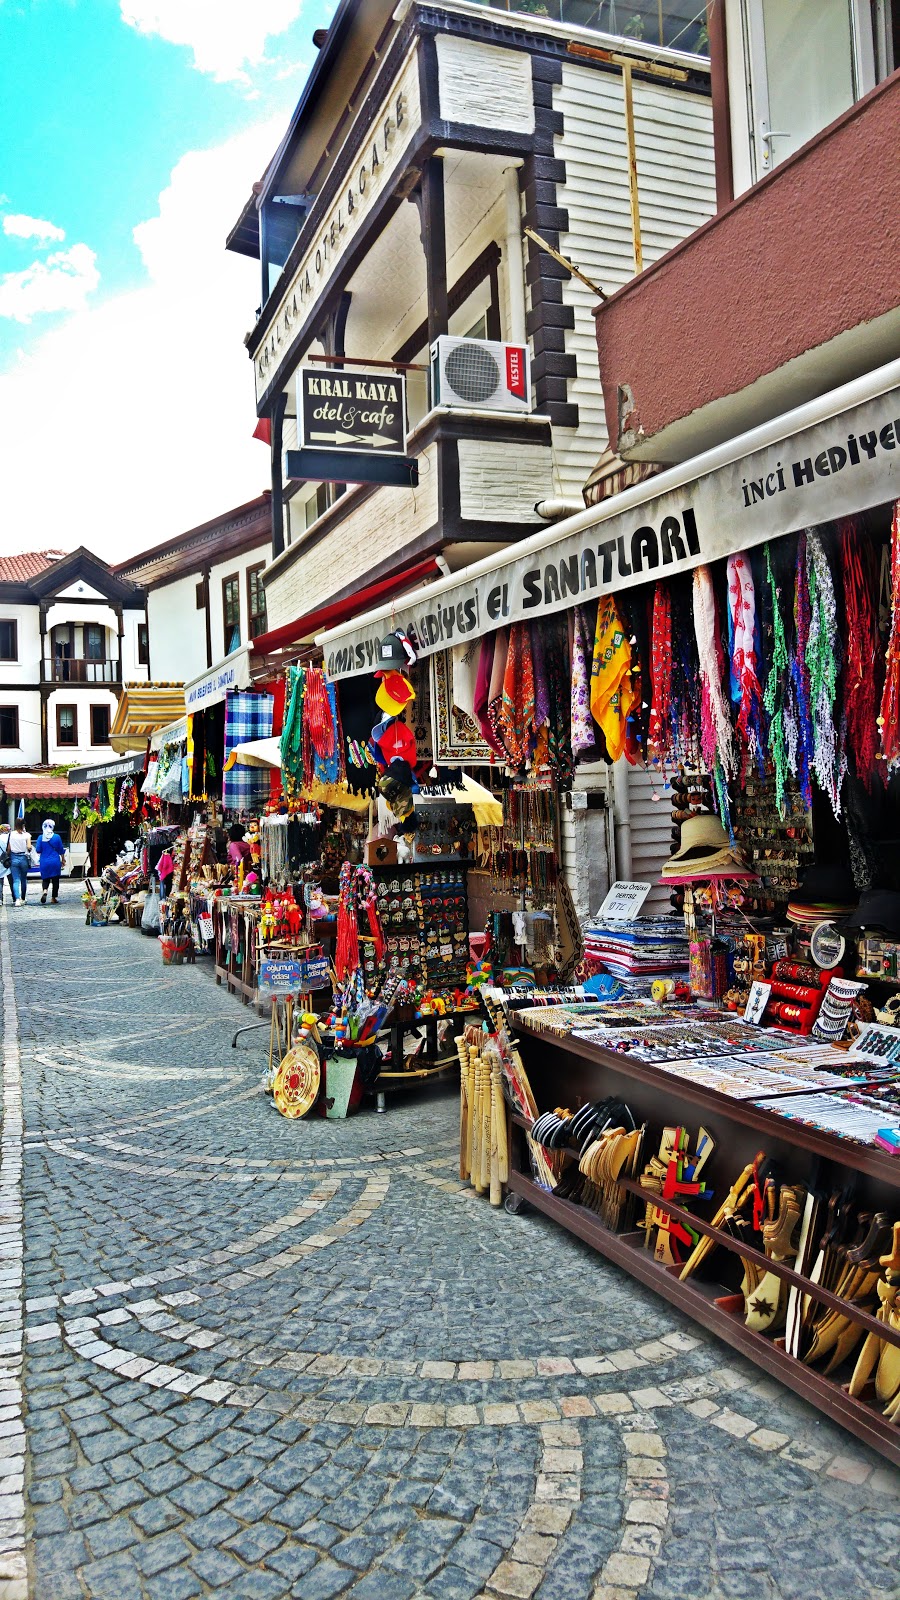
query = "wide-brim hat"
x=704 y=848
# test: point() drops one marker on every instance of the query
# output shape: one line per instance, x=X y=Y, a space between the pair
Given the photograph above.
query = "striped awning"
x=143 y=708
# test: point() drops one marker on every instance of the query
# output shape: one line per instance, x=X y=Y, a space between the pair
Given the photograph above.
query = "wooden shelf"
x=573 y=1071
x=627 y=1251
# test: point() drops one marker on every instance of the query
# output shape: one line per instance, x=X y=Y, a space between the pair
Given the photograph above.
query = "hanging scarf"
x=318 y=712
x=745 y=688
x=889 y=720
x=541 y=685
x=556 y=661
x=483 y=691
x=776 y=692
x=584 y=740
x=516 y=721
x=685 y=712
x=863 y=658
x=612 y=693
x=495 y=691
x=823 y=661
x=292 y=730
x=328 y=766
x=716 y=740
x=660 y=733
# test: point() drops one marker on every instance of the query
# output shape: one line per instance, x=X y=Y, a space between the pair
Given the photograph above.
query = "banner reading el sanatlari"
x=828 y=470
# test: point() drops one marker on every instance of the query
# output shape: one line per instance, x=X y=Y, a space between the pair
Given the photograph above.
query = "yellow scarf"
x=612 y=692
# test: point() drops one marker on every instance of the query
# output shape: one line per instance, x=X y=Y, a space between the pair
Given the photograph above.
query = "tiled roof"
x=19 y=569
x=39 y=786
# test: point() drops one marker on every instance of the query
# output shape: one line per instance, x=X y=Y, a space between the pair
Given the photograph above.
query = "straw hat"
x=704 y=849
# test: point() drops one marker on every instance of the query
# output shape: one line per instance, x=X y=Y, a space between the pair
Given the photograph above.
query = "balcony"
x=788 y=292
x=76 y=669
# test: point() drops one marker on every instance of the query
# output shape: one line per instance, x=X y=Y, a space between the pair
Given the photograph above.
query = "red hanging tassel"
x=889 y=720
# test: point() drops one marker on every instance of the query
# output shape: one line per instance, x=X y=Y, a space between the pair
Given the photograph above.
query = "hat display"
x=397 y=742
x=394 y=692
x=395 y=650
x=878 y=908
x=704 y=852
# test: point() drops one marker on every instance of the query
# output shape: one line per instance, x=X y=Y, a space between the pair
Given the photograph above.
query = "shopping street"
x=267 y=1358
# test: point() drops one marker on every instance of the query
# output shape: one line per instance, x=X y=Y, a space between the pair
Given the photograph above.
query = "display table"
x=571 y=1072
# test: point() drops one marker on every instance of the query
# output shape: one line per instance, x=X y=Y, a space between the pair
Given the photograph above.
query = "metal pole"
x=632 y=169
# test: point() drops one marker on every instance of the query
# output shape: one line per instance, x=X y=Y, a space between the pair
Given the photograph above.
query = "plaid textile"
x=247 y=716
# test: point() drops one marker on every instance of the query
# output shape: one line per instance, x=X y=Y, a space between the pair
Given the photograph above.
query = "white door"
x=809 y=60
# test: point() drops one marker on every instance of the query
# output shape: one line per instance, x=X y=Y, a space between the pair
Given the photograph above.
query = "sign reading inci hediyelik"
x=349 y=408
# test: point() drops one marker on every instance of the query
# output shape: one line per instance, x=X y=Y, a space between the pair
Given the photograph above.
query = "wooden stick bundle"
x=483 y=1143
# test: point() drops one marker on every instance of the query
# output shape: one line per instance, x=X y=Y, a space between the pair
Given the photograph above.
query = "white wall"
x=82 y=697
x=177 y=631
x=133 y=670
x=27 y=668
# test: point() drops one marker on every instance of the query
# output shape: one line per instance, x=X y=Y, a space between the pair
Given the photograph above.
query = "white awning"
x=218 y=681
x=832 y=457
x=173 y=733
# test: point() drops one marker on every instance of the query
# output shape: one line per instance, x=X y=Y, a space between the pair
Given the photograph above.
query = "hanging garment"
x=823 y=660
x=292 y=731
x=464 y=659
x=584 y=732
x=248 y=715
x=318 y=712
x=863 y=655
x=516 y=716
x=612 y=693
x=746 y=693
x=716 y=737
x=495 y=690
x=889 y=720
x=660 y=734
x=483 y=691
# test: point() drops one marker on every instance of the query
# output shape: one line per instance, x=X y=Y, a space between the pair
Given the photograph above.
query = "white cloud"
x=61 y=282
x=225 y=35
x=18 y=226
x=145 y=400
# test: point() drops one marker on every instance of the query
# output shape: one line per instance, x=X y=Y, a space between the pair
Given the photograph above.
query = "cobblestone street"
x=262 y=1358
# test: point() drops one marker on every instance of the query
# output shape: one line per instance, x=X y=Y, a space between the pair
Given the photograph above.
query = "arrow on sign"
x=352 y=438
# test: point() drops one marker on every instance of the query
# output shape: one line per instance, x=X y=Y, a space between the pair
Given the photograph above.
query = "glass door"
x=809 y=60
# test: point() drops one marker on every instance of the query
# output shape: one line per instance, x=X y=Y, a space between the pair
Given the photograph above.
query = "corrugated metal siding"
x=673 y=135
x=651 y=835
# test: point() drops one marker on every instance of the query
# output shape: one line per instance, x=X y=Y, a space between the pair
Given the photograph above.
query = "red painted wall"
x=812 y=250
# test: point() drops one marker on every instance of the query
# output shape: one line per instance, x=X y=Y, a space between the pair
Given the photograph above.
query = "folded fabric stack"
x=650 y=947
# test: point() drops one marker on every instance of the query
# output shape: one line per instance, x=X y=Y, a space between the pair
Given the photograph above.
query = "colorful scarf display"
x=612 y=692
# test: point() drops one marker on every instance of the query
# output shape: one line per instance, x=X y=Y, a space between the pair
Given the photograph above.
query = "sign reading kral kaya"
x=351 y=409
x=827 y=470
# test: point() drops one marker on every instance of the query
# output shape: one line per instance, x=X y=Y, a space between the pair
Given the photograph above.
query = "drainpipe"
x=515 y=259
x=277 y=482
x=552 y=510
x=621 y=801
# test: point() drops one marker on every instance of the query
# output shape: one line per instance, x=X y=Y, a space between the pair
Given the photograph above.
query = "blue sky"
x=130 y=133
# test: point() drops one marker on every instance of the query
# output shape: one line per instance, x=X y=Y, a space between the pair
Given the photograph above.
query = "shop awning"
x=124 y=767
x=339 y=611
x=833 y=457
x=143 y=708
x=257 y=753
x=39 y=786
x=214 y=684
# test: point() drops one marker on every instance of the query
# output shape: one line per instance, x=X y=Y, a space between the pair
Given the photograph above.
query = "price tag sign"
x=314 y=974
x=623 y=902
x=280 y=977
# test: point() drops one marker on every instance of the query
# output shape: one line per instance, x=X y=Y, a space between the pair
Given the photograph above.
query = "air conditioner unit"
x=480 y=374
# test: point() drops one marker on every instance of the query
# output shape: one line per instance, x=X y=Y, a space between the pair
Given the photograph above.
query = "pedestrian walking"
x=20 y=860
x=5 y=860
x=51 y=853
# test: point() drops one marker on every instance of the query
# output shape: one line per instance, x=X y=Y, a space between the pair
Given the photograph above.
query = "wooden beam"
x=632 y=169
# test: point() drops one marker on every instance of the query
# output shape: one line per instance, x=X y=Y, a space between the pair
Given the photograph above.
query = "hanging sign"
x=351 y=409
x=669 y=526
x=214 y=685
x=289 y=977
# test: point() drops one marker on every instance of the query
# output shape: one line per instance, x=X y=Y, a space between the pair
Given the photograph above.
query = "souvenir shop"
x=714 y=1101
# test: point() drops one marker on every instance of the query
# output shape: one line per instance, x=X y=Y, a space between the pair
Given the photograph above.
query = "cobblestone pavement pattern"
x=261 y=1358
